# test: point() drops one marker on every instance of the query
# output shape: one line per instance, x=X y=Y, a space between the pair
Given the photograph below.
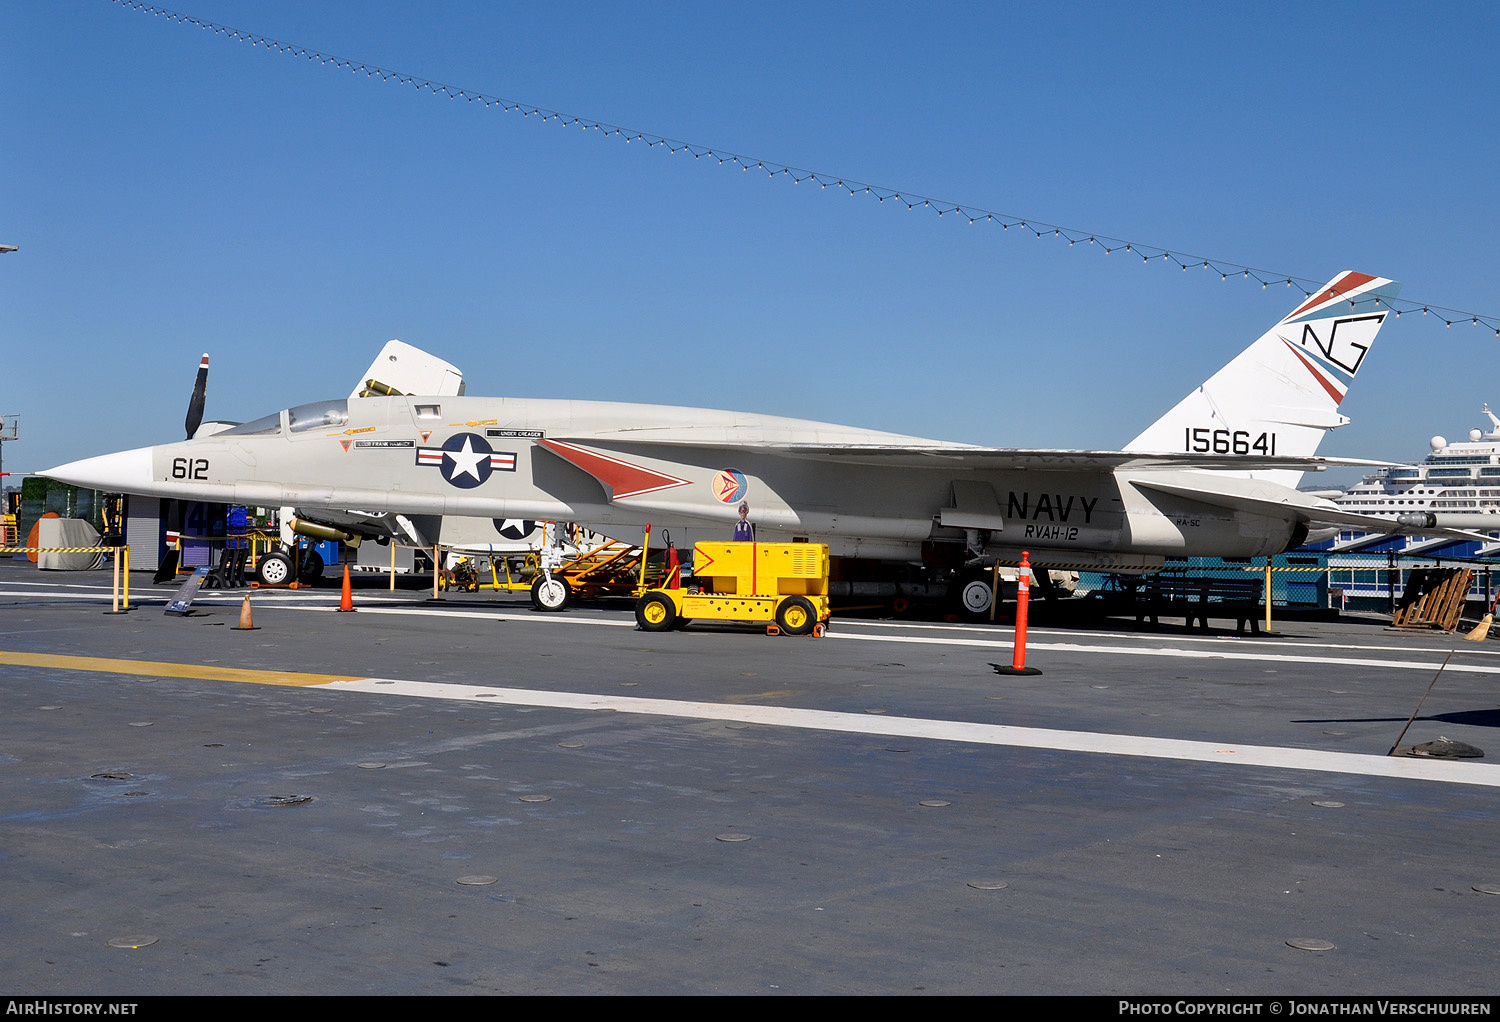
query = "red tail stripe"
x=1328 y=384
x=1349 y=282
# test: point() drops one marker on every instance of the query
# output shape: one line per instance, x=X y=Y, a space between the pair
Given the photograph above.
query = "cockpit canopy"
x=316 y=415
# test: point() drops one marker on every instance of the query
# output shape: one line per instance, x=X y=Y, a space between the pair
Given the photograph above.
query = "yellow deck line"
x=1220 y=752
x=158 y=668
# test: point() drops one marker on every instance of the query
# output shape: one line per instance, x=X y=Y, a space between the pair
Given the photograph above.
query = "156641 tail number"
x=1227 y=441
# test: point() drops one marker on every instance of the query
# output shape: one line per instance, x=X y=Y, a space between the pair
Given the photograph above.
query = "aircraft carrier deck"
x=478 y=798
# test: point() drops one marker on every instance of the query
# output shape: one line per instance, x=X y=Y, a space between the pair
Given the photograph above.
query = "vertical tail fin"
x=1281 y=395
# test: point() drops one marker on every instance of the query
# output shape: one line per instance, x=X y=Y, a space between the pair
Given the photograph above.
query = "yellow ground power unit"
x=785 y=584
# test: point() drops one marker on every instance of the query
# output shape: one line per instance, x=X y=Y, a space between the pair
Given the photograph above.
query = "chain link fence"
x=39 y=496
x=1368 y=582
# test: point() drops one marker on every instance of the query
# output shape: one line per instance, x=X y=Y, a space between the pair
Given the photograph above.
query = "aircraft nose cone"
x=125 y=472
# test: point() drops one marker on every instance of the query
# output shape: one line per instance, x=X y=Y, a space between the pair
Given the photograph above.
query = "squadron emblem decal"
x=466 y=459
x=729 y=485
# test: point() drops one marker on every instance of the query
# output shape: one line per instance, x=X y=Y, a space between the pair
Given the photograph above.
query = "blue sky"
x=174 y=192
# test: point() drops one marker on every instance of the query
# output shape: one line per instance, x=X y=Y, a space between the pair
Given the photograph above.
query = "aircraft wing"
x=1012 y=458
x=1070 y=460
x=1310 y=509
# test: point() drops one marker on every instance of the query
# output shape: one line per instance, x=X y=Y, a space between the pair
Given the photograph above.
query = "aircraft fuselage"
x=618 y=467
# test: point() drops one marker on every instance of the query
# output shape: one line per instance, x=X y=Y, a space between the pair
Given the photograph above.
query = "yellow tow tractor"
x=783 y=584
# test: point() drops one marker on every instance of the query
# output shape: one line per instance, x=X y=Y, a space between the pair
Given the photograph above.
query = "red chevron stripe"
x=622 y=478
x=1328 y=384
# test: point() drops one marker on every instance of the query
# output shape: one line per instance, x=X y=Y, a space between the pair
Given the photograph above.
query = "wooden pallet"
x=1433 y=598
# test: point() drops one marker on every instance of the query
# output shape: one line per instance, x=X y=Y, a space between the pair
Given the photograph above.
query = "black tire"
x=312 y=567
x=551 y=596
x=795 y=616
x=274 y=570
x=655 y=612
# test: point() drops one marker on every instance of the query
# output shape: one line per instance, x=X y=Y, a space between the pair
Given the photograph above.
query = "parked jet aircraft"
x=1214 y=476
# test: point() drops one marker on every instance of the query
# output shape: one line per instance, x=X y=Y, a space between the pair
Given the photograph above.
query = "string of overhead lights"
x=913 y=201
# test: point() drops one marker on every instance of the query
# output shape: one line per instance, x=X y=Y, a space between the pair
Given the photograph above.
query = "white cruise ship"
x=1457 y=486
x=1459 y=481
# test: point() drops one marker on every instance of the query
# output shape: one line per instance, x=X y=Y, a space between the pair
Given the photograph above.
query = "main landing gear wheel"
x=312 y=567
x=550 y=594
x=655 y=612
x=973 y=597
x=274 y=570
x=795 y=616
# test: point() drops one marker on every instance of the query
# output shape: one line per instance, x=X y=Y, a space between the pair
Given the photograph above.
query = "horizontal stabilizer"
x=1310 y=509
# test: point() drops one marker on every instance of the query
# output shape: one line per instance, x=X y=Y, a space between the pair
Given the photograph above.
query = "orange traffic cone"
x=245 y=625
x=346 y=602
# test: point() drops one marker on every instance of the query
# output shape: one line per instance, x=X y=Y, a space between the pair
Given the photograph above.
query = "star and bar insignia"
x=466 y=459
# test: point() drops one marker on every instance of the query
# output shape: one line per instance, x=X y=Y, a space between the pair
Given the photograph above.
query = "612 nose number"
x=189 y=468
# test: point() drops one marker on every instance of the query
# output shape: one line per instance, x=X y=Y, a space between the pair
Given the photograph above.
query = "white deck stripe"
x=1257 y=642
x=1188 y=654
x=1445 y=771
x=290 y=600
x=956 y=731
